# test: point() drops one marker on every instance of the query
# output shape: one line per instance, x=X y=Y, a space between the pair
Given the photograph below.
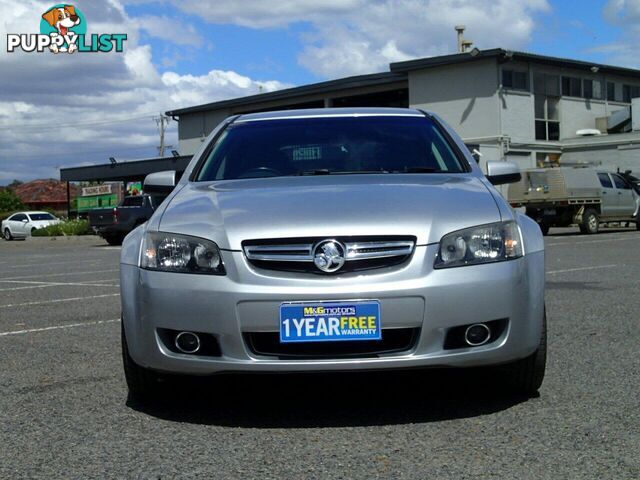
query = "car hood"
x=426 y=206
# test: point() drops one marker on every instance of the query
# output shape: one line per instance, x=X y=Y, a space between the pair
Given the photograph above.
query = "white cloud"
x=267 y=14
x=62 y=110
x=624 y=14
x=361 y=36
x=68 y=109
x=170 y=30
x=623 y=11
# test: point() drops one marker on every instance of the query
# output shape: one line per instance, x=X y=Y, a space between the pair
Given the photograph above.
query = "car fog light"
x=188 y=342
x=477 y=334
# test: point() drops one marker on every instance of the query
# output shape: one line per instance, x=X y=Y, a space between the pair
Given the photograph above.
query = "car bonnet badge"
x=329 y=256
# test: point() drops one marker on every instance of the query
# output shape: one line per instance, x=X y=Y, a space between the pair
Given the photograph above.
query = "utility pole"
x=162 y=121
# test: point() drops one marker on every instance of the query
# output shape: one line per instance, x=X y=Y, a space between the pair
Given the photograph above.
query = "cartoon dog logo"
x=62 y=18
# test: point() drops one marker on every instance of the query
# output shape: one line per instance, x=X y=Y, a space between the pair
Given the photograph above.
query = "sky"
x=80 y=109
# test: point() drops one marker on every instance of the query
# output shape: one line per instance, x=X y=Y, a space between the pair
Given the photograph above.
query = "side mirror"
x=24 y=220
x=499 y=173
x=160 y=182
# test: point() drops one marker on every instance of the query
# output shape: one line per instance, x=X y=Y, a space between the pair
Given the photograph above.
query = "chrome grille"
x=280 y=253
x=298 y=254
x=364 y=250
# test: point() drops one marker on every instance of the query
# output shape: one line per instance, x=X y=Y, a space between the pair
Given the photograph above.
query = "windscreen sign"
x=63 y=29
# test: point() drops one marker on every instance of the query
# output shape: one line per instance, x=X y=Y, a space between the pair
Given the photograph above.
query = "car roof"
x=330 y=112
x=32 y=212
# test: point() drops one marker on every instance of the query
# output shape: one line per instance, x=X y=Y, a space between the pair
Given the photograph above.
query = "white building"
x=508 y=105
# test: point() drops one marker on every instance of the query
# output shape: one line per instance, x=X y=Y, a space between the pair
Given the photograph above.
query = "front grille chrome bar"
x=303 y=252
x=367 y=250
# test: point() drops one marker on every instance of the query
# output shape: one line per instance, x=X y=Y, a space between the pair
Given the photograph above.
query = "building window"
x=547 y=118
x=515 y=79
x=546 y=84
x=582 y=88
x=611 y=92
x=629 y=92
x=571 y=87
x=546 y=100
x=592 y=89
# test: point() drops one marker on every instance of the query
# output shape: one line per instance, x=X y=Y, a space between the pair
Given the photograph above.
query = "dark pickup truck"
x=113 y=224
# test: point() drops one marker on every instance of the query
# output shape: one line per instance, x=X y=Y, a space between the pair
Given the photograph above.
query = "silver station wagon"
x=333 y=240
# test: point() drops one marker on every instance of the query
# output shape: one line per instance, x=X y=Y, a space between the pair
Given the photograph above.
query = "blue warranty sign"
x=330 y=321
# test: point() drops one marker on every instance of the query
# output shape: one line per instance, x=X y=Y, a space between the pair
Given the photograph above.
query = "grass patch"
x=65 y=229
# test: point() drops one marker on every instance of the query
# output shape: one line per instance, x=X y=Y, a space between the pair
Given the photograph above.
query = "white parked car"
x=23 y=224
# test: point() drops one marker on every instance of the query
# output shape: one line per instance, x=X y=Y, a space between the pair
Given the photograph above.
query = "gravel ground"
x=64 y=411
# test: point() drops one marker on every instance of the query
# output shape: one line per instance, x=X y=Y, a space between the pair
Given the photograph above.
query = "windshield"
x=41 y=216
x=329 y=145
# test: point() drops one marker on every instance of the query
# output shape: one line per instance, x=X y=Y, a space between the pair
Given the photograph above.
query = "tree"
x=9 y=201
x=15 y=183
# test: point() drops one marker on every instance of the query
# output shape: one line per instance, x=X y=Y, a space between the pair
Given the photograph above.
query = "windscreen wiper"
x=420 y=170
x=317 y=171
x=326 y=171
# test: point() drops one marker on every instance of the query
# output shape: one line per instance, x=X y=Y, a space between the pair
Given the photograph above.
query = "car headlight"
x=170 y=252
x=494 y=242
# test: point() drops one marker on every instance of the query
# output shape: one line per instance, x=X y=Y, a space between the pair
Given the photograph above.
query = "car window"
x=620 y=183
x=41 y=216
x=19 y=217
x=132 y=202
x=348 y=145
x=605 y=181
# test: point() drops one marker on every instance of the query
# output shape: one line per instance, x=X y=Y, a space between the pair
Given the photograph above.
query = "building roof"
x=504 y=55
x=124 y=171
x=43 y=192
x=398 y=72
x=357 y=81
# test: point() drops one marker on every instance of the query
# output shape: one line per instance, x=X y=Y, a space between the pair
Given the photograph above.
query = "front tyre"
x=7 y=234
x=114 y=239
x=525 y=376
x=590 y=221
x=143 y=383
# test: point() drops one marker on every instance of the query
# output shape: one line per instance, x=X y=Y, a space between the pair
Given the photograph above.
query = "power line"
x=54 y=125
x=74 y=153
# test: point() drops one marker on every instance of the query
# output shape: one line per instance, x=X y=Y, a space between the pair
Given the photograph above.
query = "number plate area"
x=330 y=321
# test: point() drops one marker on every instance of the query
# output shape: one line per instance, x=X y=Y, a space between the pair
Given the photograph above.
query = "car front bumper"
x=412 y=296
